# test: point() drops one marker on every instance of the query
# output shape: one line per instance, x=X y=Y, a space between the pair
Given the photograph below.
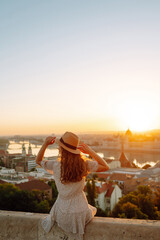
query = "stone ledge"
x=27 y=226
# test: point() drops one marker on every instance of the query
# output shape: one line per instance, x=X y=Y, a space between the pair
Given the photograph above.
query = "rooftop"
x=110 y=189
x=120 y=176
x=34 y=185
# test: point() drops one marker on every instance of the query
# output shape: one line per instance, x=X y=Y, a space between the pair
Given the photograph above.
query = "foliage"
x=132 y=211
x=1 y=162
x=101 y=213
x=91 y=191
x=54 y=190
x=33 y=169
x=157 y=199
x=14 y=199
x=138 y=204
x=43 y=207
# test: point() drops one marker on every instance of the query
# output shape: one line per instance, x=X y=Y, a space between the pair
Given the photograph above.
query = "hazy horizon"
x=153 y=131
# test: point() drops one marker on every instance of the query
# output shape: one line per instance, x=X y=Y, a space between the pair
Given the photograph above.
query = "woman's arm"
x=48 y=141
x=103 y=166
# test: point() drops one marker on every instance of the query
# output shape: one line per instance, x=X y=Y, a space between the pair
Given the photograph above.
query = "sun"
x=138 y=119
x=137 y=114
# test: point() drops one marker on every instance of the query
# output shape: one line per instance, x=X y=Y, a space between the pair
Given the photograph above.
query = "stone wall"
x=27 y=226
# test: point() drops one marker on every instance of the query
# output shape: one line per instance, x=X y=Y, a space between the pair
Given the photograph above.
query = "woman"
x=71 y=210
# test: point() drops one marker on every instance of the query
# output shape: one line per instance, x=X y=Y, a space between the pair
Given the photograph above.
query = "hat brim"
x=76 y=151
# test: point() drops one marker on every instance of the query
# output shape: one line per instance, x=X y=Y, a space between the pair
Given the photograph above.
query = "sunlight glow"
x=137 y=114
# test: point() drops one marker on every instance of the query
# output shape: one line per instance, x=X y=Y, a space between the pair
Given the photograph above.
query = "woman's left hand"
x=84 y=148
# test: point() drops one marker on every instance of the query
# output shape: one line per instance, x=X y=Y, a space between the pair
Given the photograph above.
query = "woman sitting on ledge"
x=71 y=210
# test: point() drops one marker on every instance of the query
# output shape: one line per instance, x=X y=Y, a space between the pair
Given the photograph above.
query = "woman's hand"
x=49 y=140
x=102 y=163
x=84 y=148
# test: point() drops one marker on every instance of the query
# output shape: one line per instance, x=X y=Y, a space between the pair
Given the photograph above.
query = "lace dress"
x=71 y=210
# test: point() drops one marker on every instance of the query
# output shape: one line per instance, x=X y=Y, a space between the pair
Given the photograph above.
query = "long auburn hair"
x=73 y=167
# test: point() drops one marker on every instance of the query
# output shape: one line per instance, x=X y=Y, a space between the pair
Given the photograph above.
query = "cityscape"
x=133 y=160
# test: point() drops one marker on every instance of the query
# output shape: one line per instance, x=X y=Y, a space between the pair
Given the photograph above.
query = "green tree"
x=2 y=162
x=54 y=190
x=33 y=169
x=101 y=213
x=157 y=199
x=146 y=201
x=14 y=199
x=144 y=190
x=91 y=191
x=130 y=197
x=43 y=207
x=132 y=211
x=137 y=204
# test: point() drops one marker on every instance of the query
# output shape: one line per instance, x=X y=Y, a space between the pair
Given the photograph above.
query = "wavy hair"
x=73 y=167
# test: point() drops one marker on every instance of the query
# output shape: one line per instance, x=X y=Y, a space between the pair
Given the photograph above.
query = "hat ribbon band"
x=67 y=145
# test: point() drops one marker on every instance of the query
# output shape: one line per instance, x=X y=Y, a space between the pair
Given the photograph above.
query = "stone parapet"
x=27 y=226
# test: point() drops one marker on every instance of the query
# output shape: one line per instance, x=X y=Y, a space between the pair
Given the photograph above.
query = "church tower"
x=123 y=159
x=29 y=150
x=23 y=150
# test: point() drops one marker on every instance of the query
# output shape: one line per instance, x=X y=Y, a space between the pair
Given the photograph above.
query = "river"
x=139 y=158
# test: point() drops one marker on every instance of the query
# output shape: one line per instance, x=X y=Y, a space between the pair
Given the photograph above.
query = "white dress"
x=71 y=210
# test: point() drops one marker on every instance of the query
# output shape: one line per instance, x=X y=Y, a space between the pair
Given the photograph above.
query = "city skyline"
x=79 y=66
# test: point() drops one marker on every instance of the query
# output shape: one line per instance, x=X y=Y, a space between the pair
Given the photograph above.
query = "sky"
x=81 y=66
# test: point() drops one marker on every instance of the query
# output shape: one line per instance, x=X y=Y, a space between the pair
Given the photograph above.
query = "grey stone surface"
x=18 y=226
x=27 y=226
x=124 y=229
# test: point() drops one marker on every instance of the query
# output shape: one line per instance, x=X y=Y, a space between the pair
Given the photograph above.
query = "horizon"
x=153 y=131
x=79 y=66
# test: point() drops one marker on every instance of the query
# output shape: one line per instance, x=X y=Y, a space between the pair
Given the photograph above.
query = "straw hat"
x=69 y=141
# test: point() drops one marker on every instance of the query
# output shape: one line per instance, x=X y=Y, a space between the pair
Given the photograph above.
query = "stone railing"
x=27 y=226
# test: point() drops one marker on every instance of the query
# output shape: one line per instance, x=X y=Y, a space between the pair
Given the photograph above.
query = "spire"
x=29 y=150
x=23 y=150
x=123 y=159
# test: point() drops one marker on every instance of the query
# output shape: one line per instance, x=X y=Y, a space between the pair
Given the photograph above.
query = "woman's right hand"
x=49 y=140
x=84 y=148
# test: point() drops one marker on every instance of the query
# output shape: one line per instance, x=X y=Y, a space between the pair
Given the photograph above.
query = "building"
x=124 y=161
x=20 y=167
x=108 y=195
x=31 y=164
x=22 y=162
x=11 y=162
x=112 y=163
x=120 y=178
x=11 y=176
x=112 y=196
x=3 y=157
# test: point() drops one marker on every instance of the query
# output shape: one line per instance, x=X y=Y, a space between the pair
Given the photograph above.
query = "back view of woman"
x=71 y=210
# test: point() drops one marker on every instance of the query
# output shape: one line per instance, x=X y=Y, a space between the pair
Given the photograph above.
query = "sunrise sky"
x=79 y=65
